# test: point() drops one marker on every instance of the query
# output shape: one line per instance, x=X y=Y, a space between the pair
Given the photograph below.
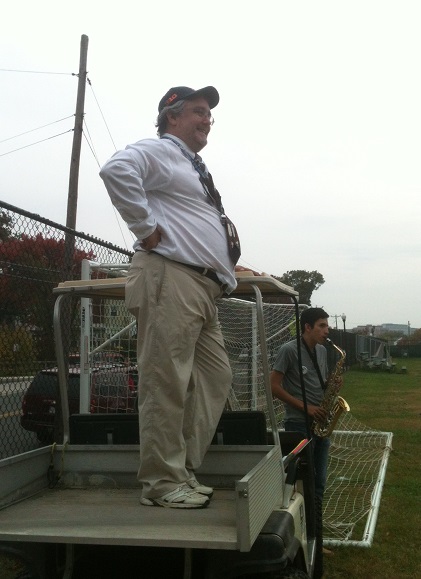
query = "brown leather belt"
x=205 y=272
x=202 y=270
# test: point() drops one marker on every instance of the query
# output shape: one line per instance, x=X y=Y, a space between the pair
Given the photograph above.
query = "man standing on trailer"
x=185 y=253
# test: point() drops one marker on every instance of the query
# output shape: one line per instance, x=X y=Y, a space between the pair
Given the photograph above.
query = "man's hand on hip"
x=151 y=241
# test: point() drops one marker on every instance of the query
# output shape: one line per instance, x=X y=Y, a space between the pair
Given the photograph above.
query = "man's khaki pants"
x=184 y=372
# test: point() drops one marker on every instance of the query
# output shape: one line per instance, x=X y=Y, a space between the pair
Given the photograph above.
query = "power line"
x=37 y=129
x=36 y=71
x=102 y=115
x=90 y=142
x=87 y=137
x=37 y=142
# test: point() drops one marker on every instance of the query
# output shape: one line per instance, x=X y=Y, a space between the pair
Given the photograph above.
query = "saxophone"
x=333 y=404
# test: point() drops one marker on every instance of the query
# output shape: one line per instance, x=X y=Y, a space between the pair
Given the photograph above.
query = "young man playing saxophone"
x=286 y=385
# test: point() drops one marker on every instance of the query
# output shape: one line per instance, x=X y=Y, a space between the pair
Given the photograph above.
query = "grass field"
x=388 y=402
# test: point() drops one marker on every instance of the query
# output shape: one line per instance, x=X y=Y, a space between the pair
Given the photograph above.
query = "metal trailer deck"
x=96 y=500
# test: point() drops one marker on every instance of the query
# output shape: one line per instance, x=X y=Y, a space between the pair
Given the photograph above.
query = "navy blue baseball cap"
x=178 y=93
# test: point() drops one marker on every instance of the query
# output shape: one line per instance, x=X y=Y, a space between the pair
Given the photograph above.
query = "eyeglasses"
x=203 y=113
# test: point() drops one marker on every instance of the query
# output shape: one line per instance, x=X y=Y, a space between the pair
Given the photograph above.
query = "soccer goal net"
x=358 y=455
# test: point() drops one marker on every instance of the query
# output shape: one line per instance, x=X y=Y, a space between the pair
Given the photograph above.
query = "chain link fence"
x=35 y=256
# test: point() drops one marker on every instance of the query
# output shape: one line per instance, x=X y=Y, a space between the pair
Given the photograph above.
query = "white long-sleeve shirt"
x=151 y=183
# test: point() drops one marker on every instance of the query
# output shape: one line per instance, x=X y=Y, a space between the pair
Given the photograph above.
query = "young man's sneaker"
x=199 y=488
x=183 y=497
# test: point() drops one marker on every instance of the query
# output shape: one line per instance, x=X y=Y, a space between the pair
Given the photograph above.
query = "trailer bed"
x=96 y=499
x=115 y=517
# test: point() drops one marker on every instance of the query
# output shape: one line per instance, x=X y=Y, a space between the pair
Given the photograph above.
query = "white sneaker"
x=183 y=497
x=202 y=489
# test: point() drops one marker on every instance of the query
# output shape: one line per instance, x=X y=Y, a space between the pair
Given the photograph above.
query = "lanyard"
x=204 y=176
x=214 y=197
x=313 y=357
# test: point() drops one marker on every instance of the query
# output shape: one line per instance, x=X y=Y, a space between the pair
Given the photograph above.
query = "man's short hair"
x=162 y=120
x=310 y=316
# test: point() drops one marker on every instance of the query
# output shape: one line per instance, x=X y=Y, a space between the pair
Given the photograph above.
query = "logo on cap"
x=171 y=98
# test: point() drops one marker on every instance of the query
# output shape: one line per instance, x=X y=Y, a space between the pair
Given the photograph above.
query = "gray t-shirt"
x=287 y=363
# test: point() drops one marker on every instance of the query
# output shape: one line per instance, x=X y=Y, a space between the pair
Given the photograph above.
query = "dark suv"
x=113 y=389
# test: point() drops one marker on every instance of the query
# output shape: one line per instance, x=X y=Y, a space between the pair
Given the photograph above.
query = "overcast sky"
x=316 y=145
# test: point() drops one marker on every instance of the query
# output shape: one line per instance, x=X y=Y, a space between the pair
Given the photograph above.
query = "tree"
x=30 y=268
x=6 y=223
x=304 y=282
x=390 y=335
x=17 y=349
x=414 y=338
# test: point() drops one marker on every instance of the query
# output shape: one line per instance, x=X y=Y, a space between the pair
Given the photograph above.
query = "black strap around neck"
x=204 y=176
x=214 y=198
x=313 y=356
x=207 y=183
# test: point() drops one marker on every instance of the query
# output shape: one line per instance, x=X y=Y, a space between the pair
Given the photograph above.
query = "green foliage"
x=16 y=346
x=415 y=338
x=304 y=282
x=6 y=223
x=390 y=403
x=389 y=335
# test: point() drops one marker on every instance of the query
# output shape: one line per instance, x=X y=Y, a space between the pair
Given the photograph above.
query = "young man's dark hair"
x=310 y=316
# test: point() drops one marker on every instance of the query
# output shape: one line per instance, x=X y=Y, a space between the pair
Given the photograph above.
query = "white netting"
x=112 y=358
x=242 y=340
x=357 y=464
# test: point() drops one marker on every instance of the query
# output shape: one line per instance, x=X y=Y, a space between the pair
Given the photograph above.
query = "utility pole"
x=69 y=242
x=77 y=136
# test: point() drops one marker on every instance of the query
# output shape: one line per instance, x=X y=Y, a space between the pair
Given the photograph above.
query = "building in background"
x=382 y=330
